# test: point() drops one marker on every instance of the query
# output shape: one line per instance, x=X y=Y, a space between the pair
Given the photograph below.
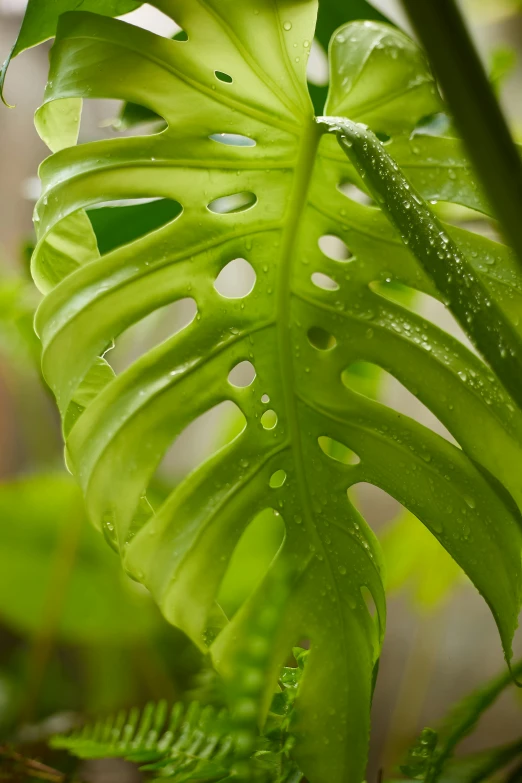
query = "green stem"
x=461 y=287
x=43 y=642
x=442 y=30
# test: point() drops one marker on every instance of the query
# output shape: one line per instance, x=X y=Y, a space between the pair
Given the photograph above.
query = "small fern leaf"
x=155 y=739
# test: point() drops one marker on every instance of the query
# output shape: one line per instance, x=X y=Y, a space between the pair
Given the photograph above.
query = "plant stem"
x=32 y=767
x=443 y=33
x=43 y=642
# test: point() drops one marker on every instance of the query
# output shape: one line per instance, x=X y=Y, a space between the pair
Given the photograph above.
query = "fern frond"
x=190 y=742
x=196 y=742
x=421 y=755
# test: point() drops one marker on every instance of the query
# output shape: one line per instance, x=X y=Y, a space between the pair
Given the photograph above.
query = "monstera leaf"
x=41 y=19
x=258 y=178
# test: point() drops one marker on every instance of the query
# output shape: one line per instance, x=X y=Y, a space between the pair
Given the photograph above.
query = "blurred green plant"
x=430 y=759
x=502 y=63
x=485 y=11
x=416 y=561
x=55 y=568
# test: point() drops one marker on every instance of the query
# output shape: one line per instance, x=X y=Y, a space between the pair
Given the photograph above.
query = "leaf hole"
x=201 y=439
x=265 y=399
x=234 y=203
x=149 y=332
x=251 y=559
x=393 y=394
x=242 y=375
x=269 y=420
x=118 y=223
x=334 y=248
x=425 y=305
x=233 y=140
x=324 y=282
x=433 y=125
x=223 y=77
x=369 y=600
x=318 y=72
x=319 y=338
x=338 y=451
x=150 y=18
x=236 y=280
x=277 y=479
x=375 y=505
x=354 y=193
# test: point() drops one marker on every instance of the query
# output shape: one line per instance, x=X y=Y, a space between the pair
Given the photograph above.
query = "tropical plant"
x=243 y=169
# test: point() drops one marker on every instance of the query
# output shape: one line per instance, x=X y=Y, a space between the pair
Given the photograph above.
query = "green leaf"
x=41 y=19
x=415 y=559
x=116 y=226
x=44 y=536
x=17 y=306
x=502 y=63
x=281 y=199
x=442 y=29
x=332 y=15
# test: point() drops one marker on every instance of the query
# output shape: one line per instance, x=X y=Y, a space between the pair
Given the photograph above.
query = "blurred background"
x=76 y=635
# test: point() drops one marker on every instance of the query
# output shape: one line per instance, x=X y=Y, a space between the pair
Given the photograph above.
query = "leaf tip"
x=3 y=74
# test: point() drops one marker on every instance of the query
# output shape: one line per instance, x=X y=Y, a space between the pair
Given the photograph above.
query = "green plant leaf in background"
x=502 y=63
x=323 y=303
x=434 y=750
x=415 y=560
x=331 y=16
x=43 y=533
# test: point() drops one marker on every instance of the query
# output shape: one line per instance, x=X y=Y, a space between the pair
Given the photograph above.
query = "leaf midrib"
x=305 y=168
x=298 y=199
